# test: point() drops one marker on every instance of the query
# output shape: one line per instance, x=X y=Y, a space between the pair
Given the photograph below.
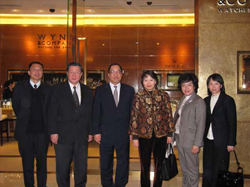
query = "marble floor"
x=11 y=168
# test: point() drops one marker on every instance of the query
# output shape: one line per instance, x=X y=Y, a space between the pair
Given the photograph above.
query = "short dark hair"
x=35 y=62
x=114 y=64
x=187 y=77
x=8 y=82
x=151 y=73
x=74 y=64
x=218 y=78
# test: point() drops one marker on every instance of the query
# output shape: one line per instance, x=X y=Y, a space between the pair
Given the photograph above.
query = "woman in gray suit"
x=189 y=120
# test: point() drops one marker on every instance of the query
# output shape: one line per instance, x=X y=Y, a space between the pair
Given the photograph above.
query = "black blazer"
x=108 y=120
x=65 y=118
x=21 y=103
x=224 y=120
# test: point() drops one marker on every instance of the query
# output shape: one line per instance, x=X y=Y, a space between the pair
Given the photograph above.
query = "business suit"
x=191 y=131
x=72 y=123
x=31 y=144
x=113 y=124
x=223 y=119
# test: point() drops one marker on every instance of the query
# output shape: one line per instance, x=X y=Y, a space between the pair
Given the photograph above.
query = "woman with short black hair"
x=220 y=130
x=8 y=91
x=189 y=120
x=151 y=126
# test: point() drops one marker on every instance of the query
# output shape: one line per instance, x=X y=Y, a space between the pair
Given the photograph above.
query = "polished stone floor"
x=11 y=168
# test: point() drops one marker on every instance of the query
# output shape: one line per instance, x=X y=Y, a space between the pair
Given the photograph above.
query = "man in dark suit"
x=111 y=115
x=30 y=101
x=70 y=126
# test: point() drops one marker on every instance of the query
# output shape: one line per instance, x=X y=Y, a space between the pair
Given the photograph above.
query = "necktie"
x=116 y=96
x=76 y=99
x=35 y=86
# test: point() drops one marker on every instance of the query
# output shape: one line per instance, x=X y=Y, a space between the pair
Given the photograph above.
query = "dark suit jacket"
x=108 y=120
x=65 y=118
x=21 y=103
x=223 y=120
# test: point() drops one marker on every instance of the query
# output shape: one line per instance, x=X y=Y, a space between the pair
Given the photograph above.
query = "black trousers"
x=34 y=146
x=212 y=162
x=146 y=146
x=65 y=154
x=107 y=159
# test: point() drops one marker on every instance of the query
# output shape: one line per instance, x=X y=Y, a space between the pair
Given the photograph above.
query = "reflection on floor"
x=11 y=168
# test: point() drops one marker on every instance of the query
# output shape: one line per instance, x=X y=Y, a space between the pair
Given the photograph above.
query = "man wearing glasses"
x=111 y=115
x=70 y=126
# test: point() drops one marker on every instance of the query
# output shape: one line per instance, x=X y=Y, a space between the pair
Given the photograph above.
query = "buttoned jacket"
x=151 y=112
x=192 y=121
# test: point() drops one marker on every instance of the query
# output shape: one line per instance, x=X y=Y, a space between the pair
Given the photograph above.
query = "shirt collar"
x=71 y=85
x=112 y=85
x=37 y=84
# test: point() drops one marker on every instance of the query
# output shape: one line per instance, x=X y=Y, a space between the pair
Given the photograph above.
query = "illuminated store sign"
x=233 y=6
x=51 y=41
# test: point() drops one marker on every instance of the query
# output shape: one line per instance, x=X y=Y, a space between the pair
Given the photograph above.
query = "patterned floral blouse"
x=151 y=112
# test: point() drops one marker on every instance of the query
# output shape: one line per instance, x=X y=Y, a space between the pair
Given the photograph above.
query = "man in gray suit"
x=189 y=120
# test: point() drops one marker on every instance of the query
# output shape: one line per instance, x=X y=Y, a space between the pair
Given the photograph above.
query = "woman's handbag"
x=169 y=166
x=226 y=178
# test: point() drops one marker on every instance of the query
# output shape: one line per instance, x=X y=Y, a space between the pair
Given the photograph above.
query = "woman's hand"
x=169 y=140
x=230 y=148
x=136 y=143
x=195 y=149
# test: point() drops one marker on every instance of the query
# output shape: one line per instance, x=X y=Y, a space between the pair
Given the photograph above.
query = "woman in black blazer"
x=220 y=130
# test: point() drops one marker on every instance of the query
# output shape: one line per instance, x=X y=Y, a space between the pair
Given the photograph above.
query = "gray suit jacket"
x=192 y=123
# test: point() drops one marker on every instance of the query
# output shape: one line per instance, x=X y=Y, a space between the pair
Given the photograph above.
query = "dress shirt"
x=177 y=126
x=37 y=84
x=118 y=89
x=213 y=101
x=78 y=90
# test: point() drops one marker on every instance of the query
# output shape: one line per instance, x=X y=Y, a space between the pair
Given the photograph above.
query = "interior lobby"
x=168 y=36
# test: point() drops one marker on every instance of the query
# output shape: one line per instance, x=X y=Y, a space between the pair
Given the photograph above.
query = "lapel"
x=69 y=93
x=122 y=95
x=218 y=103
x=190 y=100
x=208 y=104
x=82 y=95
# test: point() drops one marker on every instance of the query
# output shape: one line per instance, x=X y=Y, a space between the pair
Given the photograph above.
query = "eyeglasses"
x=117 y=71
x=75 y=72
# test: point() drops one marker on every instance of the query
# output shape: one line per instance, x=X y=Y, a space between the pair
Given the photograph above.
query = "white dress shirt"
x=118 y=89
x=37 y=84
x=78 y=90
x=213 y=101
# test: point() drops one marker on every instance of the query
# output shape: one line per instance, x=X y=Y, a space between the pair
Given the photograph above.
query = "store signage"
x=233 y=6
x=51 y=41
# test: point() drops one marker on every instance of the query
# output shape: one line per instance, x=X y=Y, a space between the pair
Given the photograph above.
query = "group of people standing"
x=69 y=116
x=210 y=123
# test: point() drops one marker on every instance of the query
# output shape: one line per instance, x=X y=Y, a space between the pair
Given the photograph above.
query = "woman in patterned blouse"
x=151 y=126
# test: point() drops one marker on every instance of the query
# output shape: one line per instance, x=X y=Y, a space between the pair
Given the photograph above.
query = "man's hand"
x=136 y=143
x=230 y=148
x=195 y=149
x=90 y=138
x=97 y=138
x=54 y=138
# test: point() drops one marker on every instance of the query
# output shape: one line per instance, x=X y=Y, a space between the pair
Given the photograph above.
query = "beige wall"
x=220 y=36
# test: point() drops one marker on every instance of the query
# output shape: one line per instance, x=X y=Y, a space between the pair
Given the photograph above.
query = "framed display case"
x=243 y=72
x=94 y=77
